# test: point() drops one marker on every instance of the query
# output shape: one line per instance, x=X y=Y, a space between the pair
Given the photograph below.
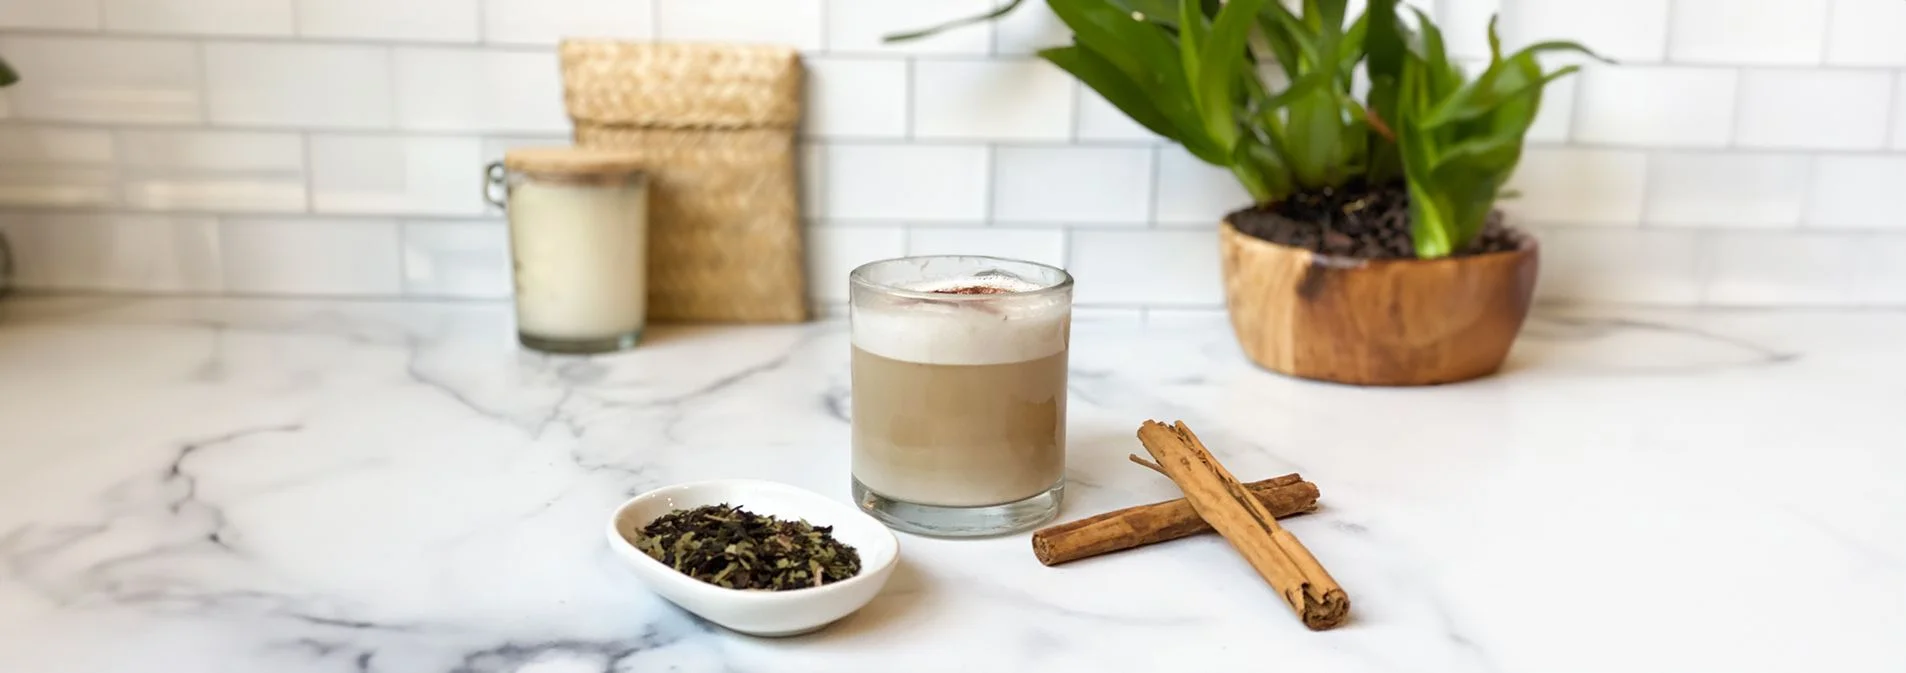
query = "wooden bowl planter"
x=1397 y=322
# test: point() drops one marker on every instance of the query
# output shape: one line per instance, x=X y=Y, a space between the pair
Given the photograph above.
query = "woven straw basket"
x=715 y=124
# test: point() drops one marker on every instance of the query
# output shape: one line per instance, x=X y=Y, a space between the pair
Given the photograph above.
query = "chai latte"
x=961 y=403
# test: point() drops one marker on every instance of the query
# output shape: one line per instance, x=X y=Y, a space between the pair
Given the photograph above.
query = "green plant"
x=7 y=75
x=1192 y=71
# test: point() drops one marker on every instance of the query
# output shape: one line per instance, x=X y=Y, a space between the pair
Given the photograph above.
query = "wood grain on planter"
x=1383 y=322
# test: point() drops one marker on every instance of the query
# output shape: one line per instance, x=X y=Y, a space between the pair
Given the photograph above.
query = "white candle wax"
x=581 y=254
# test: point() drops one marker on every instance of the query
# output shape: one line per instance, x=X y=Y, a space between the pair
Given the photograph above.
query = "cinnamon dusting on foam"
x=973 y=289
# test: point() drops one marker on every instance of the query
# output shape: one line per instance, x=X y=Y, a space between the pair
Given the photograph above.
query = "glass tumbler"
x=959 y=392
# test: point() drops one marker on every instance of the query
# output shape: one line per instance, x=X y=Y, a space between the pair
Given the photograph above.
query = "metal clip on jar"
x=579 y=240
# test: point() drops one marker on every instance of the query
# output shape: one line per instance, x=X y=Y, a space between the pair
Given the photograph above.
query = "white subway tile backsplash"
x=856 y=98
x=1557 y=114
x=1726 y=189
x=104 y=80
x=325 y=86
x=1881 y=277
x=1028 y=29
x=1814 y=109
x=129 y=253
x=1562 y=185
x=1465 y=25
x=58 y=14
x=217 y=193
x=1851 y=191
x=200 y=17
x=1627 y=266
x=861 y=26
x=1748 y=268
x=212 y=150
x=421 y=20
x=1100 y=120
x=1153 y=267
x=1780 y=118
x=1194 y=193
x=1897 y=133
x=833 y=252
x=1046 y=245
x=462 y=259
x=1624 y=30
x=546 y=22
x=991 y=100
x=1866 y=33
x=49 y=166
x=213 y=171
x=1079 y=185
x=1766 y=32
x=57 y=187
x=900 y=182
x=794 y=23
x=311 y=256
x=458 y=89
x=1654 y=106
x=396 y=175
x=54 y=145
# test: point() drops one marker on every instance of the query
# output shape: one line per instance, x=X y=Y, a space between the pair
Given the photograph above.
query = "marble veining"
x=229 y=485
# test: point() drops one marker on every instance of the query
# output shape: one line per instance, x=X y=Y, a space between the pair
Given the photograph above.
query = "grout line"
x=1151 y=209
x=1734 y=111
x=823 y=8
x=1893 y=112
x=912 y=74
x=1806 y=192
x=1667 y=36
x=1647 y=190
x=992 y=183
x=1826 y=27
x=310 y=176
x=1077 y=116
x=992 y=31
x=205 y=82
x=1065 y=247
x=390 y=81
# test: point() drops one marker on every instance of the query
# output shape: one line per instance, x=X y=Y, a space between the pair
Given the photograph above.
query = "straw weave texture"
x=715 y=127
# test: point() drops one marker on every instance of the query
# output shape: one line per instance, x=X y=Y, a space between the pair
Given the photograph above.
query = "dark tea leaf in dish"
x=731 y=547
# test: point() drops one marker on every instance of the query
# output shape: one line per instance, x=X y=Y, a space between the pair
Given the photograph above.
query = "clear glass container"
x=959 y=392
x=579 y=246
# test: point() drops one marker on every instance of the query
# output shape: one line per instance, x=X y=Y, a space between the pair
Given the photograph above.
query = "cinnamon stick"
x=1131 y=527
x=1247 y=524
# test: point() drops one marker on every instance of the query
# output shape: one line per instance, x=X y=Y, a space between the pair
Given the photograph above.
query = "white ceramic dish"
x=761 y=613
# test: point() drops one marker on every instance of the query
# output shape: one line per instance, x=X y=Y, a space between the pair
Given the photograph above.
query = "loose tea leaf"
x=731 y=547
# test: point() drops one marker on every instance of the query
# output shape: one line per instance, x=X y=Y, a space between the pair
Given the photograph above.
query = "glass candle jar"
x=579 y=243
x=959 y=392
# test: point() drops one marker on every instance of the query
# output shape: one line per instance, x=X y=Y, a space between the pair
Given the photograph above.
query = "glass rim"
x=858 y=278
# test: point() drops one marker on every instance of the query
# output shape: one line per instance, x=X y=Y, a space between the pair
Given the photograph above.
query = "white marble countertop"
x=212 y=486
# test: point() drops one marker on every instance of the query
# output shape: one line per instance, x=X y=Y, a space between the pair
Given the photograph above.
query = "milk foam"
x=979 y=332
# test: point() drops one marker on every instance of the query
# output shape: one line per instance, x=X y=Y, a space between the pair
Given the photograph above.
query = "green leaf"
x=1147 y=56
x=1191 y=34
x=1283 y=44
x=1383 y=41
x=1471 y=102
x=1222 y=54
x=7 y=75
x=1298 y=38
x=1103 y=77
